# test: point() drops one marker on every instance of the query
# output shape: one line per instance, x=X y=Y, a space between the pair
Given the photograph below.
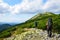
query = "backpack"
x=49 y=23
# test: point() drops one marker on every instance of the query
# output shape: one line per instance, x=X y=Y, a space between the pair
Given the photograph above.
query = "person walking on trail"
x=49 y=26
x=36 y=24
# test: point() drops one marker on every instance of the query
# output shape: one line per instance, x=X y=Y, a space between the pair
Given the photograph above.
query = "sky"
x=21 y=10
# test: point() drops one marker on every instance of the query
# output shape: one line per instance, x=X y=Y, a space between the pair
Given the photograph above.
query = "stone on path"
x=34 y=34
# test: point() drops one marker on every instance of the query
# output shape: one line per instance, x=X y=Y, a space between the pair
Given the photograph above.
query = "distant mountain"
x=4 y=26
x=13 y=23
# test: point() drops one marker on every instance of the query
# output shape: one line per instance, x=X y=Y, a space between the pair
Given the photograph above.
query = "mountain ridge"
x=41 y=19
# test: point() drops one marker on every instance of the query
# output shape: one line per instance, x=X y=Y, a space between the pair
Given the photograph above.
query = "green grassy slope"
x=40 y=18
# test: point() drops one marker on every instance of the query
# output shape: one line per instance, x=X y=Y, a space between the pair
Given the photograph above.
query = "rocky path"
x=34 y=34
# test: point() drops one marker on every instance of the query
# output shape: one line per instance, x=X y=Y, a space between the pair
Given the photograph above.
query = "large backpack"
x=49 y=23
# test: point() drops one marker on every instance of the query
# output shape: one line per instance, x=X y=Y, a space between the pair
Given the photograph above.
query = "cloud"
x=52 y=6
x=30 y=6
x=4 y=8
x=27 y=7
x=49 y=6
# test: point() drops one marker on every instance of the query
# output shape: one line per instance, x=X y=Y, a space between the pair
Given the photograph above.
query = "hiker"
x=49 y=26
x=36 y=24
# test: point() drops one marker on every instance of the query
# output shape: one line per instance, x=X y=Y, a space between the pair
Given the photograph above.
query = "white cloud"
x=4 y=8
x=1 y=1
x=30 y=6
x=52 y=6
x=27 y=6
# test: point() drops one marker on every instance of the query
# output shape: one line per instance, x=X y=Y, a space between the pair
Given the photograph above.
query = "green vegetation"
x=41 y=18
x=7 y=33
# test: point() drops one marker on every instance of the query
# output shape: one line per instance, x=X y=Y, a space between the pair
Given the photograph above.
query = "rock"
x=34 y=34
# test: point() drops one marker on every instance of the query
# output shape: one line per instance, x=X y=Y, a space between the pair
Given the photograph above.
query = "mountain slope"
x=34 y=34
x=40 y=18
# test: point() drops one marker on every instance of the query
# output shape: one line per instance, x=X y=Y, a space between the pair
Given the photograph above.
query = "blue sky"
x=12 y=2
x=44 y=1
x=21 y=10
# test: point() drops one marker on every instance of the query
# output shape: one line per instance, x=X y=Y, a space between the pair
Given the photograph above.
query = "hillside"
x=41 y=18
x=34 y=34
